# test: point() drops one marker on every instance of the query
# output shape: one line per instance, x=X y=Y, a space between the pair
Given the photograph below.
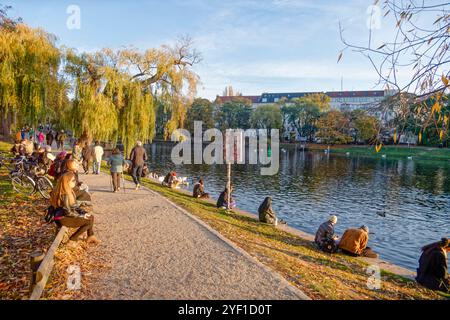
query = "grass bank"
x=319 y=275
x=391 y=152
x=22 y=231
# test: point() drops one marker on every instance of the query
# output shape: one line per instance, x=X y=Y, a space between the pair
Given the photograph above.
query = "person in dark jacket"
x=433 y=269
x=266 y=213
x=325 y=237
x=49 y=138
x=87 y=154
x=199 y=190
x=138 y=157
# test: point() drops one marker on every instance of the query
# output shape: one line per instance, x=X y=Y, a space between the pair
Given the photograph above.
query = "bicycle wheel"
x=44 y=186
x=23 y=184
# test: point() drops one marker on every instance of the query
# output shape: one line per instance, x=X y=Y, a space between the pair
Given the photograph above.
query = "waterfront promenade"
x=156 y=250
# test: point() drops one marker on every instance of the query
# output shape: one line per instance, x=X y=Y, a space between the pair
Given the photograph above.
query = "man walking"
x=138 y=157
x=60 y=140
x=49 y=137
x=98 y=154
x=87 y=157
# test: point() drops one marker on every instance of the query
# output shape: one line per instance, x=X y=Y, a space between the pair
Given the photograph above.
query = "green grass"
x=393 y=152
x=319 y=275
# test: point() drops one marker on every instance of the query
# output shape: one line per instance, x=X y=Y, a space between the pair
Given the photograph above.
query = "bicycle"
x=27 y=177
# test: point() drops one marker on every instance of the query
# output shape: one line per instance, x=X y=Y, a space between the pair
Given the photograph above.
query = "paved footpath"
x=157 y=250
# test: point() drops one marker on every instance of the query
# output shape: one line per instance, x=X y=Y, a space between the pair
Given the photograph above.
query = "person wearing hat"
x=433 y=269
x=354 y=242
x=325 y=237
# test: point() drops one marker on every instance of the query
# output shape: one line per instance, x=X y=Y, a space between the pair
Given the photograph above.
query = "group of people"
x=89 y=156
x=433 y=269
x=70 y=201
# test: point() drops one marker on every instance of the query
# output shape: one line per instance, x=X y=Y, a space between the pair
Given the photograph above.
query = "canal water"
x=405 y=203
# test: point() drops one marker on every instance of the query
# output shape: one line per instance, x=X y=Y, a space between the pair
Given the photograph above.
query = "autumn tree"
x=333 y=128
x=418 y=46
x=31 y=89
x=304 y=112
x=115 y=91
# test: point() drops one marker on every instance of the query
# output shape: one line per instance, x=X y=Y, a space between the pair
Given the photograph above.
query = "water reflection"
x=405 y=203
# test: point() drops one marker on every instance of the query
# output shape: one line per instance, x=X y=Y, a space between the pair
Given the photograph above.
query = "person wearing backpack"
x=325 y=237
x=67 y=213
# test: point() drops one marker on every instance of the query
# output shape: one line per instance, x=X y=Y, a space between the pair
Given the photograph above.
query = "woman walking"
x=116 y=161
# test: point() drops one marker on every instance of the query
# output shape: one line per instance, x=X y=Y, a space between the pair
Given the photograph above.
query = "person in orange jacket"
x=354 y=242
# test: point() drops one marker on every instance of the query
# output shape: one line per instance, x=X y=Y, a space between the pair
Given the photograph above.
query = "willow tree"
x=115 y=91
x=30 y=87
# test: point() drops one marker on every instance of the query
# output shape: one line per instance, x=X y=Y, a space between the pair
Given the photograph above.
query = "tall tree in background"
x=267 y=117
x=334 y=128
x=200 y=110
x=304 y=113
x=420 y=43
x=234 y=114
x=115 y=91
x=30 y=88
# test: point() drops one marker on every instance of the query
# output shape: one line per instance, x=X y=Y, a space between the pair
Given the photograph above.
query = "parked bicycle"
x=27 y=177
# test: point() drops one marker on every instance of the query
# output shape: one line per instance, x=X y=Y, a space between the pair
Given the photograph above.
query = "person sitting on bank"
x=222 y=202
x=354 y=243
x=433 y=269
x=266 y=213
x=199 y=190
x=171 y=180
x=325 y=237
x=67 y=213
x=117 y=163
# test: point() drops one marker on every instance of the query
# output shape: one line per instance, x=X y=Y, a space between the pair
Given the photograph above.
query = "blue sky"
x=254 y=45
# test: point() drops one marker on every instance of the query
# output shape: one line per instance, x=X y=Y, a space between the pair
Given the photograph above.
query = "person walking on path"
x=49 y=137
x=87 y=153
x=77 y=152
x=98 y=154
x=41 y=138
x=117 y=162
x=61 y=137
x=138 y=157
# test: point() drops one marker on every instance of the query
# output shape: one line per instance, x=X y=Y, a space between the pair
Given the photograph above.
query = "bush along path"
x=155 y=250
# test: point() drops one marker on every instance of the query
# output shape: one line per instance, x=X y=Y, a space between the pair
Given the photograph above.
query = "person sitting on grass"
x=171 y=180
x=222 y=202
x=117 y=163
x=433 y=270
x=325 y=237
x=266 y=213
x=199 y=190
x=67 y=213
x=354 y=243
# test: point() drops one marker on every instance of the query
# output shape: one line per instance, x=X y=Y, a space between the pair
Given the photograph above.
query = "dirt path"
x=156 y=250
